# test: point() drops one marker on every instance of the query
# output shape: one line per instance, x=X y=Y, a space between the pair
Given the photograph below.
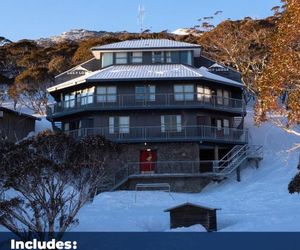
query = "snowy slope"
x=260 y=202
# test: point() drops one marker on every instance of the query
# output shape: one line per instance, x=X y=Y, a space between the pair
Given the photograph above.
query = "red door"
x=148 y=159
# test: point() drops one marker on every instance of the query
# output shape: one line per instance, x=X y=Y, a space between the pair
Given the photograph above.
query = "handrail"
x=107 y=101
x=180 y=132
x=132 y=168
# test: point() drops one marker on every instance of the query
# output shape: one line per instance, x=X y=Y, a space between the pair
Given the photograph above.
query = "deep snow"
x=260 y=202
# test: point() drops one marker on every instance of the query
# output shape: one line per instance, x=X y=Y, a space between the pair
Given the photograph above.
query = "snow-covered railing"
x=147 y=100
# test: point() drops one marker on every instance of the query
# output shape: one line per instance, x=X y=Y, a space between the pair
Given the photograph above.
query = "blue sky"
x=33 y=19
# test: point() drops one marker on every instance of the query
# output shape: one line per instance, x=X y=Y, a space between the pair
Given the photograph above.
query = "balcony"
x=149 y=101
x=155 y=134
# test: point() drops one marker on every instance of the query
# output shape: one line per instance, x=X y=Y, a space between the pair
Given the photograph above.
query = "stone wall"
x=165 y=151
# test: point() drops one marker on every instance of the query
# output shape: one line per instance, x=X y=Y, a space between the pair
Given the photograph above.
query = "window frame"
x=184 y=95
x=121 y=59
x=106 y=97
x=149 y=93
x=168 y=125
x=116 y=127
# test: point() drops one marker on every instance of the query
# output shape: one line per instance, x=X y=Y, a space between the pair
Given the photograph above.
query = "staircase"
x=235 y=158
x=232 y=161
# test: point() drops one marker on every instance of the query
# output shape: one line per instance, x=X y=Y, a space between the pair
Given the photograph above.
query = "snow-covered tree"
x=46 y=181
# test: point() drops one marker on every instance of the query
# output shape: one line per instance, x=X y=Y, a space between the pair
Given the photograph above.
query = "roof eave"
x=143 y=48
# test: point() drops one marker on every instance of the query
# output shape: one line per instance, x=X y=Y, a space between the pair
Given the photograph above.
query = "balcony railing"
x=156 y=134
x=146 y=101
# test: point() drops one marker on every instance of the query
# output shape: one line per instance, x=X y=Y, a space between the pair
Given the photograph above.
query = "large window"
x=119 y=124
x=203 y=94
x=69 y=100
x=121 y=57
x=81 y=97
x=172 y=56
x=157 y=57
x=107 y=94
x=222 y=97
x=226 y=126
x=145 y=93
x=171 y=123
x=136 y=57
x=107 y=59
x=186 y=57
x=184 y=92
x=87 y=96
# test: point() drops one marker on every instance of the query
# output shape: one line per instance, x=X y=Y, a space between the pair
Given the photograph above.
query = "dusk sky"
x=34 y=19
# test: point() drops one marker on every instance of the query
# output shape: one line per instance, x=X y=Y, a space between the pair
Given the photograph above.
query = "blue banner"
x=156 y=241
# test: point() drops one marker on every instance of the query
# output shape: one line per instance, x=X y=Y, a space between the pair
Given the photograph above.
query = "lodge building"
x=161 y=98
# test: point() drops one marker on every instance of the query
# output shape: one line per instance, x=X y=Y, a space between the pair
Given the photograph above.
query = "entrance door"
x=148 y=158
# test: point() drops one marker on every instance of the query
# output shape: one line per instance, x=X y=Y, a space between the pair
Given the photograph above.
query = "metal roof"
x=146 y=44
x=158 y=71
x=147 y=72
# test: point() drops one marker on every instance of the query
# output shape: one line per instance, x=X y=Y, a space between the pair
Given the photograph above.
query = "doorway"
x=148 y=158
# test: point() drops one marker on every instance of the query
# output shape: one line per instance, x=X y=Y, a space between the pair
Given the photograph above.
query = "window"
x=145 y=93
x=184 y=92
x=171 y=123
x=186 y=57
x=121 y=57
x=69 y=100
x=66 y=127
x=106 y=94
x=87 y=96
x=226 y=126
x=107 y=59
x=172 y=56
x=222 y=97
x=136 y=57
x=219 y=125
x=157 y=57
x=203 y=94
x=119 y=124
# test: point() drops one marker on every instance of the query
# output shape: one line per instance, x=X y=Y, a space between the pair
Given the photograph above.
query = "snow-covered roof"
x=146 y=44
x=191 y=204
x=147 y=72
x=216 y=65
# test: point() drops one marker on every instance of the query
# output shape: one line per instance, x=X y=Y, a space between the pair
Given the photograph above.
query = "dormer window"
x=157 y=57
x=121 y=58
x=136 y=57
x=172 y=56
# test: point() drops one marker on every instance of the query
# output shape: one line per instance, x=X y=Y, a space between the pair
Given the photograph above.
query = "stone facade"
x=165 y=151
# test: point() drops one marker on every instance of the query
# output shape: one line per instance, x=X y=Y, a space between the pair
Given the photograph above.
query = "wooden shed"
x=15 y=125
x=189 y=214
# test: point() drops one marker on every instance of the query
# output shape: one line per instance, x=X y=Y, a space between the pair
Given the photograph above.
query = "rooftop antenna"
x=141 y=17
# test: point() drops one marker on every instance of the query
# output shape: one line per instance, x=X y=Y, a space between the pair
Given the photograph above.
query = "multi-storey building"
x=160 y=98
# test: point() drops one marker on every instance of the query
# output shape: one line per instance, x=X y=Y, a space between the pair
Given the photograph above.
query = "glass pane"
x=178 y=88
x=111 y=90
x=189 y=88
x=111 y=125
x=101 y=90
x=179 y=97
x=107 y=59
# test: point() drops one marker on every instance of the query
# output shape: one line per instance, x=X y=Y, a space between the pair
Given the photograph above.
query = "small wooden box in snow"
x=188 y=214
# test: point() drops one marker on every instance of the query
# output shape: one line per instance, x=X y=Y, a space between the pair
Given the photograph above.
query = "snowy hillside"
x=260 y=202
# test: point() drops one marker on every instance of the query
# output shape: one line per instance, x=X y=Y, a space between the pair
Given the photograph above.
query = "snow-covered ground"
x=260 y=202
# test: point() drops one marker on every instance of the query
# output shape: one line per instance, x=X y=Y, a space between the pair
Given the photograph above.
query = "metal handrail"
x=179 y=132
x=109 y=101
x=191 y=167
